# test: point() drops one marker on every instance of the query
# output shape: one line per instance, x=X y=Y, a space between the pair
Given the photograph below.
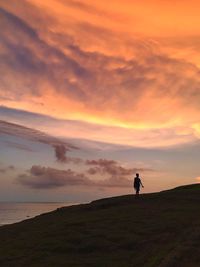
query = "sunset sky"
x=93 y=91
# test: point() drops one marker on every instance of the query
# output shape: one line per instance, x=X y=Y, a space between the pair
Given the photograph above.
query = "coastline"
x=15 y=212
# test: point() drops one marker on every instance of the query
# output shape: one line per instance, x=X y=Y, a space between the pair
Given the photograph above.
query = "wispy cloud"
x=18 y=146
x=61 y=147
x=74 y=129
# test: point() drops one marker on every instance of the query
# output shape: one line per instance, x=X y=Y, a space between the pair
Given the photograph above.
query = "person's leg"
x=137 y=191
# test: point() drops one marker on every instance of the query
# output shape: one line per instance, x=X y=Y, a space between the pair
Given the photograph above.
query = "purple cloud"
x=46 y=178
x=60 y=153
x=39 y=177
x=111 y=167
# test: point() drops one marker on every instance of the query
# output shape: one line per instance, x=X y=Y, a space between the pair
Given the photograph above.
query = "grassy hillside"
x=161 y=230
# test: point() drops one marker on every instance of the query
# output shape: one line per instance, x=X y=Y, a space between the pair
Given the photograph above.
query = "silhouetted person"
x=137 y=183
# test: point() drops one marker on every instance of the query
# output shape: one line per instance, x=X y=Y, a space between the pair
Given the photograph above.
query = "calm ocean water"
x=15 y=212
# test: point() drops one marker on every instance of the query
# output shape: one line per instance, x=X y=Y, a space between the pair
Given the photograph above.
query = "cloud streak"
x=94 y=132
x=59 y=146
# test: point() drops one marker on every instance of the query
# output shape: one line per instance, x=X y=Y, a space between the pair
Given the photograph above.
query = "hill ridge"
x=155 y=230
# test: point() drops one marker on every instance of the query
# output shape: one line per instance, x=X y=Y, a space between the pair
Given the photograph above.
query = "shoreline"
x=15 y=212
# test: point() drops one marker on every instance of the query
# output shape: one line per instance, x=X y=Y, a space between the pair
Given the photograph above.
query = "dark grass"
x=160 y=229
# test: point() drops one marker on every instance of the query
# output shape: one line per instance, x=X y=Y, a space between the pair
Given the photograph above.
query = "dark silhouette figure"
x=137 y=183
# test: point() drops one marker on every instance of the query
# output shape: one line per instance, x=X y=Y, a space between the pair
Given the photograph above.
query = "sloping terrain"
x=160 y=229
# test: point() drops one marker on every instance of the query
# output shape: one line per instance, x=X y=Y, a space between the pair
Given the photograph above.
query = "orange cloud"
x=128 y=66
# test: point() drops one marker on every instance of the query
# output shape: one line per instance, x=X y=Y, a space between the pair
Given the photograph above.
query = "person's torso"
x=137 y=181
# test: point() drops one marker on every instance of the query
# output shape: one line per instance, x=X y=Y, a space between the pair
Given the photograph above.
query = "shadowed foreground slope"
x=161 y=229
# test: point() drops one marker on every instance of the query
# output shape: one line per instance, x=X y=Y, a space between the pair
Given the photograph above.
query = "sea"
x=16 y=212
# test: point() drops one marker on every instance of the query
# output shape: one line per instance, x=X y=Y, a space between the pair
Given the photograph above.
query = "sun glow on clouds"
x=129 y=67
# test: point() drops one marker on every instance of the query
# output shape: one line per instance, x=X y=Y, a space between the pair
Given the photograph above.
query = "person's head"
x=137 y=175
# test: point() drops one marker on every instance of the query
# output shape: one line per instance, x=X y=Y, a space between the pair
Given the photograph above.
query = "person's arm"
x=141 y=183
